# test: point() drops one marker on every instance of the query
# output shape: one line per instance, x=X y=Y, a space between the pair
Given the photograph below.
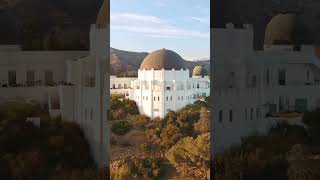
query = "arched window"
x=220 y=116
x=198 y=86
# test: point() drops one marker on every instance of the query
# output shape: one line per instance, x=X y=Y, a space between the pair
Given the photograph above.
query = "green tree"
x=203 y=125
x=191 y=156
x=170 y=135
x=120 y=127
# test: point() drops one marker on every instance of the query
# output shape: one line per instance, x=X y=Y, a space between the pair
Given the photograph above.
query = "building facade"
x=254 y=90
x=163 y=85
x=72 y=85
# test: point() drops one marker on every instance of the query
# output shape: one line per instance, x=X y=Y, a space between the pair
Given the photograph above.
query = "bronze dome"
x=199 y=71
x=287 y=29
x=162 y=59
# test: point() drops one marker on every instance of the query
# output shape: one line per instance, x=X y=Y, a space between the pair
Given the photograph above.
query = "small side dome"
x=162 y=59
x=199 y=71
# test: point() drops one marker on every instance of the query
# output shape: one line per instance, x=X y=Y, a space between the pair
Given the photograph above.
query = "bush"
x=122 y=173
x=120 y=127
x=203 y=125
x=191 y=156
x=140 y=120
x=170 y=135
x=121 y=108
x=56 y=146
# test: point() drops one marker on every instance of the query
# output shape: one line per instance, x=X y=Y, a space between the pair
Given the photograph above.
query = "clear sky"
x=146 y=25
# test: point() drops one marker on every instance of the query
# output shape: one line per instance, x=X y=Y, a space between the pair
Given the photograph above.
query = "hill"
x=126 y=63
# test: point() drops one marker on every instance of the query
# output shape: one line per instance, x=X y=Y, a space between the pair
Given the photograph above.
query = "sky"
x=147 y=25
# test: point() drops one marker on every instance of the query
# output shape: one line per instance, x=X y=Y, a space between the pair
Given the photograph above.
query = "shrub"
x=170 y=135
x=203 y=125
x=140 y=120
x=120 y=127
x=123 y=172
x=191 y=156
x=120 y=107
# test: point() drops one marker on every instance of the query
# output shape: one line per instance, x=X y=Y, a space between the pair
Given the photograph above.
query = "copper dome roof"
x=199 y=71
x=288 y=29
x=162 y=59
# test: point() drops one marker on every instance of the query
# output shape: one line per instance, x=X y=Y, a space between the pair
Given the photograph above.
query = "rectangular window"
x=178 y=97
x=30 y=77
x=156 y=110
x=168 y=88
x=268 y=76
x=12 y=78
x=91 y=114
x=125 y=86
x=254 y=81
x=158 y=98
x=282 y=77
x=85 y=114
x=48 y=77
x=245 y=114
x=220 y=116
x=251 y=114
x=170 y=98
x=113 y=86
x=257 y=113
x=167 y=98
x=230 y=115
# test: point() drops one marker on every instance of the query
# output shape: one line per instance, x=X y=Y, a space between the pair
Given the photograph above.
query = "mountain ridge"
x=127 y=63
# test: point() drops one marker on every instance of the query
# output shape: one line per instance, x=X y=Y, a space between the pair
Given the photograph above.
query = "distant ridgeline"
x=126 y=63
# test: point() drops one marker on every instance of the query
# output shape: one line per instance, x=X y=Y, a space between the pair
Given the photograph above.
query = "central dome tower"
x=163 y=59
